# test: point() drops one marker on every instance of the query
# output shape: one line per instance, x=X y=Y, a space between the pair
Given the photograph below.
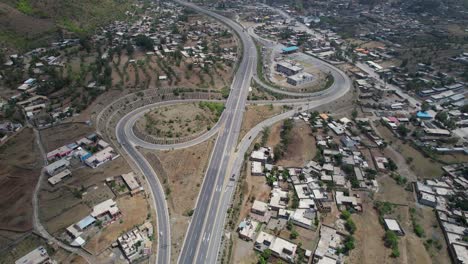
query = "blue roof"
x=422 y=114
x=292 y=48
x=85 y=222
x=85 y=156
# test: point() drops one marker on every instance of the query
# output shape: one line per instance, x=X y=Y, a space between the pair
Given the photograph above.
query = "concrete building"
x=257 y=169
x=261 y=155
x=37 y=256
x=278 y=199
x=330 y=241
x=259 y=208
x=347 y=201
x=304 y=218
x=101 y=157
x=135 y=245
x=59 y=177
x=247 y=229
x=132 y=183
x=393 y=225
x=287 y=68
x=52 y=168
x=107 y=207
x=300 y=79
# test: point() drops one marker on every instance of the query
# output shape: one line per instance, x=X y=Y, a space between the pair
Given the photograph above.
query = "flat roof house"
x=106 y=207
x=131 y=182
x=37 y=256
x=287 y=68
x=259 y=207
x=393 y=225
x=59 y=177
x=289 y=50
x=52 y=168
x=300 y=79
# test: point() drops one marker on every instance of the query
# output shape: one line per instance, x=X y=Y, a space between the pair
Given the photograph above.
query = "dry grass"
x=180 y=120
x=20 y=166
x=55 y=137
x=423 y=167
x=255 y=114
x=302 y=147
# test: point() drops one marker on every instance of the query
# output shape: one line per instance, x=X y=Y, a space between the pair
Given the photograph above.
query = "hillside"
x=26 y=24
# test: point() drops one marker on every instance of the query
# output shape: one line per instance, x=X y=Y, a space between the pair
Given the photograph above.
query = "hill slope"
x=26 y=24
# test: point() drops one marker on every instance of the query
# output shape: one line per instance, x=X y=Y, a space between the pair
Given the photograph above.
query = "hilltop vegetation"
x=26 y=24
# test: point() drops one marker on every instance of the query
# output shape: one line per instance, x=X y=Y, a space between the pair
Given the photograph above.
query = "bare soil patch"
x=423 y=167
x=134 y=212
x=255 y=114
x=20 y=166
x=302 y=147
x=63 y=134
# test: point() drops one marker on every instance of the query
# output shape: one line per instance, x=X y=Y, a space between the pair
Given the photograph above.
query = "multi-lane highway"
x=204 y=234
x=200 y=231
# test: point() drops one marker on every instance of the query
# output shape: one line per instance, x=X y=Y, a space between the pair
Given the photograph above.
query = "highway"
x=199 y=234
x=203 y=237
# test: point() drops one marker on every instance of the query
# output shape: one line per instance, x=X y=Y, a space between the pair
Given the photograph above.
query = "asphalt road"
x=163 y=254
x=200 y=231
x=202 y=240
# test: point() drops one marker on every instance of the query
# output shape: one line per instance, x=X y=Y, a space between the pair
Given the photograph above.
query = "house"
x=380 y=163
x=135 y=244
x=393 y=225
x=289 y=50
x=304 y=218
x=261 y=155
x=76 y=230
x=108 y=207
x=259 y=208
x=330 y=241
x=347 y=201
x=52 y=168
x=257 y=169
x=424 y=115
x=287 y=68
x=437 y=132
x=101 y=157
x=263 y=241
x=247 y=229
x=300 y=79
x=59 y=177
x=278 y=199
x=131 y=182
x=37 y=256
x=59 y=153
x=283 y=249
x=279 y=247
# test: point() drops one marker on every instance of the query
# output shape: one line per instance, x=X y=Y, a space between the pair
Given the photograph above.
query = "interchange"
x=204 y=233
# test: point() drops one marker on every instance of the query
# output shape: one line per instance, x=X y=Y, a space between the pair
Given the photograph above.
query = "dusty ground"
x=179 y=120
x=134 y=212
x=63 y=134
x=423 y=167
x=302 y=147
x=23 y=246
x=255 y=114
x=59 y=207
x=20 y=166
x=181 y=172
x=370 y=247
